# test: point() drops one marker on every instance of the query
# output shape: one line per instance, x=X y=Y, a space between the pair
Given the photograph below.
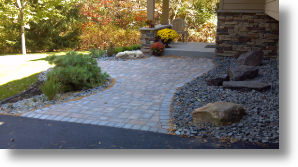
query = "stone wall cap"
x=240 y=11
x=157 y=27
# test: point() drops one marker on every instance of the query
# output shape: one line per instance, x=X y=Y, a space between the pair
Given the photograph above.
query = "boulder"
x=242 y=72
x=218 y=81
x=139 y=54
x=219 y=113
x=253 y=58
x=130 y=54
x=120 y=55
x=246 y=85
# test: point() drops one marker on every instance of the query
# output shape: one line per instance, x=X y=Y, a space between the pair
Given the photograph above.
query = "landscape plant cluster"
x=57 y=25
x=167 y=35
x=75 y=71
x=157 y=47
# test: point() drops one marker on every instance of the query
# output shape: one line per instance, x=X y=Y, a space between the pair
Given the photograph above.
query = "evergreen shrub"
x=96 y=53
x=118 y=49
x=135 y=47
x=76 y=71
x=111 y=49
x=127 y=48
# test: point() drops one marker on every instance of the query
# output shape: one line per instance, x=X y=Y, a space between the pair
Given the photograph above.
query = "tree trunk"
x=22 y=32
x=21 y=8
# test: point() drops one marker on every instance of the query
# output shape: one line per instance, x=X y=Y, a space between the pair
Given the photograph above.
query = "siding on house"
x=272 y=8
x=242 y=5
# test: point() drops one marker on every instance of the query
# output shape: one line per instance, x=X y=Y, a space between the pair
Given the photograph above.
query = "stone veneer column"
x=240 y=31
x=148 y=37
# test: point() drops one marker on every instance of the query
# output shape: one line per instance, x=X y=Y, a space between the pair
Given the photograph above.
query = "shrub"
x=50 y=88
x=130 y=48
x=125 y=48
x=111 y=49
x=118 y=49
x=96 y=53
x=135 y=47
x=76 y=71
x=99 y=34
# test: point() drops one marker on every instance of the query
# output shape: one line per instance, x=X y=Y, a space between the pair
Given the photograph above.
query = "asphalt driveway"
x=29 y=133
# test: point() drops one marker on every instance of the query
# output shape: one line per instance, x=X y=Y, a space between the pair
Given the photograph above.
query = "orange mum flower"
x=157 y=47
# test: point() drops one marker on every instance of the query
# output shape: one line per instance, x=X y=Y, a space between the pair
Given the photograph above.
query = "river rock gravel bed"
x=260 y=125
x=41 y=101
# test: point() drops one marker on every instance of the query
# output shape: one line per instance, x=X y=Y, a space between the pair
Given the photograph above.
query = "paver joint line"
x=140 y=99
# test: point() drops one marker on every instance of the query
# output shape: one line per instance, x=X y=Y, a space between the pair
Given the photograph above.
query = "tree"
x=56 y=33
x=25 y=11
x=21 y=6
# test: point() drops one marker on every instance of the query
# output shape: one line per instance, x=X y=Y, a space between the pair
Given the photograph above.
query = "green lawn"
x=18 y=72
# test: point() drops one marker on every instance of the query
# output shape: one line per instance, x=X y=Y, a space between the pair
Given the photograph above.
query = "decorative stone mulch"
x=261 y=124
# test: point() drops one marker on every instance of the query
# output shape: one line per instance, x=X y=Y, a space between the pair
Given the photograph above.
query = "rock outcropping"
x=242 y=72
x=219 y=113
x=253 y=58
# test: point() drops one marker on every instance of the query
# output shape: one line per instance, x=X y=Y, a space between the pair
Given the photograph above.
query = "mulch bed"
x=30 y=92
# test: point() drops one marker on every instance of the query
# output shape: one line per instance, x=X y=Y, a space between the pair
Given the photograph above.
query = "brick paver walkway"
x=139 y=100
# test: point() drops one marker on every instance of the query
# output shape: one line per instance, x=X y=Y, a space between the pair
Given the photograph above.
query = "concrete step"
x=191 y=49
x=190 y=53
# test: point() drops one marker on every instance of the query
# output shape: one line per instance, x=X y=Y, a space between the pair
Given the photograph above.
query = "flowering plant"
x=167 y=34
x=157 y=47
x=148 y=22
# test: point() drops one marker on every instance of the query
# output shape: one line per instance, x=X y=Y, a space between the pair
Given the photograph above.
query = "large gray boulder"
x=246 y=85
x=253 y=58
x=242 y=72
x=219 y=113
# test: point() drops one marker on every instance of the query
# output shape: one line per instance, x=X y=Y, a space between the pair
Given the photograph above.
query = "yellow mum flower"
x=167 y=34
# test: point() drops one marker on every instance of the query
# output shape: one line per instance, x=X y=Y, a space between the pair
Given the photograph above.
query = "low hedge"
x=76 y=71
x=127 y=48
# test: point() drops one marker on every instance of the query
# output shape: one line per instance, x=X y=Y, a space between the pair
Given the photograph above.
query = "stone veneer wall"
x=242 y=31
x=147 y=39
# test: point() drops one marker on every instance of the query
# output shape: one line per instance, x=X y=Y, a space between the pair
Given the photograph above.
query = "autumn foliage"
x=100 y=22
x=119 y=21
x=112 y=21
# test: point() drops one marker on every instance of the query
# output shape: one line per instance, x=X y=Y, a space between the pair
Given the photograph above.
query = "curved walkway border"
x=140 y=99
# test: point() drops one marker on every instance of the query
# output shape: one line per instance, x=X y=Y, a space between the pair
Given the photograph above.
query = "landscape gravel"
x=261 y=124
